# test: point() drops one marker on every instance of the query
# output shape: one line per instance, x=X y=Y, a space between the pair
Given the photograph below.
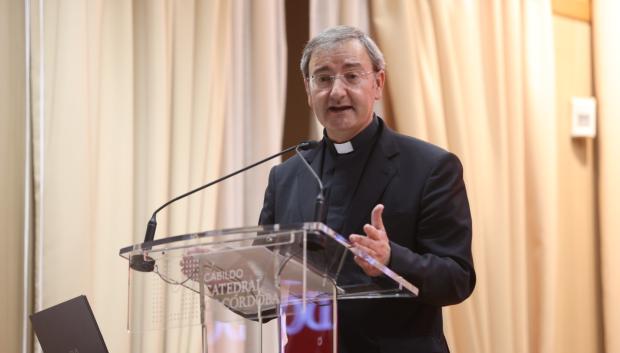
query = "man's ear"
x=379 y=84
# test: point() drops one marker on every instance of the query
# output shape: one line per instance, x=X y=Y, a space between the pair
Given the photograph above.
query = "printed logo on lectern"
x=234 y=290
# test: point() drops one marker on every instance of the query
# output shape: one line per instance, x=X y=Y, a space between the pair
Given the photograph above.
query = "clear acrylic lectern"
x=240 y=281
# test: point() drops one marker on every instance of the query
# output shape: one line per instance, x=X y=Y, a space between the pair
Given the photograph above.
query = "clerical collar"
x=344 y=148
x=362 y=139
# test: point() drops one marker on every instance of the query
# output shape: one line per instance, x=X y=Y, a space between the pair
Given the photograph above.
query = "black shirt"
x=341 y=173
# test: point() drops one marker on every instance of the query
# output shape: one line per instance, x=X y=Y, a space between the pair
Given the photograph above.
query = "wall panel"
x=12 y=126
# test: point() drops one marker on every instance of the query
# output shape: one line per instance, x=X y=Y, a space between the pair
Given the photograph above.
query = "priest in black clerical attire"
x=342 y=165
x=400 y=199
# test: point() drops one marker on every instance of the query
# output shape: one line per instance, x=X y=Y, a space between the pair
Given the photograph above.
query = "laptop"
x=68 y=327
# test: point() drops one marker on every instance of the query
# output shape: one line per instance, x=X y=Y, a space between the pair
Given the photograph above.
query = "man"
x=400 y=199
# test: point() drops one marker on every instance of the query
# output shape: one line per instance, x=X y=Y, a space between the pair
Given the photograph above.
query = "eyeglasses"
x=350 y=78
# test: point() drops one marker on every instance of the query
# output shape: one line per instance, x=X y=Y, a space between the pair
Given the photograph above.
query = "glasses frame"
x=333 y=78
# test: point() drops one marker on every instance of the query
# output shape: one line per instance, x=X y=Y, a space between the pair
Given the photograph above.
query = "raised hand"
x=376 y=242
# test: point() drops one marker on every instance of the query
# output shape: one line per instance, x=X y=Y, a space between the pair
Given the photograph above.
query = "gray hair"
x=335 y=35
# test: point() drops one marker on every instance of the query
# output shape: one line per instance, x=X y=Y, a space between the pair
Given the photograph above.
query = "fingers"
x=376 y=217
x=376 y=230
x=378 y=250
x=366 y=267
x=374 y=233
x=376 y=242
x=369 y=269
x=362 y=241
x=368 y=250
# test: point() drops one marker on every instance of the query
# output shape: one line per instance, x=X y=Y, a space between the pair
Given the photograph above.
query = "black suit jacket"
x=428 y=222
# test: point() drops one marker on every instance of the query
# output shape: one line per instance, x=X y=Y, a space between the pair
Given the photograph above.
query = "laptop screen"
x=68 y=327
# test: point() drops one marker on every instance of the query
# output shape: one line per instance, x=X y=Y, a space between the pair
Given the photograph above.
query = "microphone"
x=145 y=263
x=320 y=206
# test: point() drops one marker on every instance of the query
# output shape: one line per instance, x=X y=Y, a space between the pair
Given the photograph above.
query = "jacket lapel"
x=379 y=171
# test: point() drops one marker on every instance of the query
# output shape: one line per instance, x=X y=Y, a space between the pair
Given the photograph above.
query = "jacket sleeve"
x=441 y=265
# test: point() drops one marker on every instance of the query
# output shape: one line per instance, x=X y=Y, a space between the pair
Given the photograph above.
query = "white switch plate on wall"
x=584 y=117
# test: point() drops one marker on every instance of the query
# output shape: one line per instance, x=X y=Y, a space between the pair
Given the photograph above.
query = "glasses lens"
x=351 y=79
x=322 y=81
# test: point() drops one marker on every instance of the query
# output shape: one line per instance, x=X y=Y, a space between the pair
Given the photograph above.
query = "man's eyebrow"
x=320 y=69
x=353 y=65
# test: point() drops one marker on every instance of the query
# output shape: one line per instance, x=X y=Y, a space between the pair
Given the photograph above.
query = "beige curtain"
x=181 y=55
x=84 y=157
x=253 y=128
x=326 y=13
x=144 y=101
x=477 y=78
x=606 y=32
x=254 y=125
x=12 y=164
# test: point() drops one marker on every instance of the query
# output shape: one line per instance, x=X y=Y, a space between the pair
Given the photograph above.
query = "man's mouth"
x=338 y=109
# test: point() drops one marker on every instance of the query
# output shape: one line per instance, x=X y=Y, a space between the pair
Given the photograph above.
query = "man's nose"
x=339 y=88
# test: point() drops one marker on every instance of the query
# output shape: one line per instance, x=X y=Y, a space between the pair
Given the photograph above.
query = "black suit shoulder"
x=282 y=177
x=292 y=165
x=419 y=151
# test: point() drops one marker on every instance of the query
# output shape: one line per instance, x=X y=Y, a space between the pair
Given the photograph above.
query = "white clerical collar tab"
x=344 y=148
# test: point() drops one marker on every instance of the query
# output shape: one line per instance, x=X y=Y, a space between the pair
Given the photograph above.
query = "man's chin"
x=339 y=123
x=340 y=130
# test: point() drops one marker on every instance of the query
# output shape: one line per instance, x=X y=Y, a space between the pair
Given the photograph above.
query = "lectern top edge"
x=313 y=245
x=251 y=231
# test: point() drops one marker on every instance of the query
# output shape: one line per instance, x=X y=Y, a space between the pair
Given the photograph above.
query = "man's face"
x=344 y=109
